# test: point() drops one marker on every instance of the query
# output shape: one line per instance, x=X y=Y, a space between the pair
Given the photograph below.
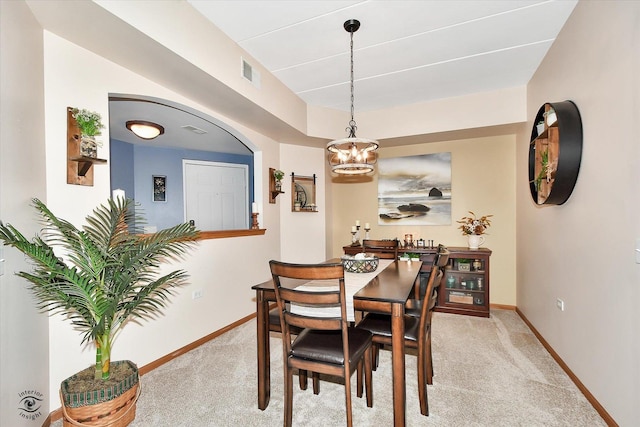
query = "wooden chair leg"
x=288 y=397
x=429 y=361
x=367 y=377
x=376 y=356
x=316 y=382
x=347 y=395
x=302 y=376
x=422 y=381
x=359 y=379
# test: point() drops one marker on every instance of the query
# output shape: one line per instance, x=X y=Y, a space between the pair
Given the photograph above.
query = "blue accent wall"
x=149 y=161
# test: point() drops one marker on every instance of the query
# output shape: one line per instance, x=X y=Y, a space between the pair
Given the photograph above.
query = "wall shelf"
x=273 y=193
x=555 y=152
x=79 y=168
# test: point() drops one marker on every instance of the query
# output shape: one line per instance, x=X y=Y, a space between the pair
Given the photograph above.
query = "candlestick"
x=366 y=231
x=354 y=239
x=254 y=207
x=254 y=222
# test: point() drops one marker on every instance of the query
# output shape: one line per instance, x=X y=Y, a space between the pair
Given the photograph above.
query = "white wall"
x=24 y=342
x=583 y=251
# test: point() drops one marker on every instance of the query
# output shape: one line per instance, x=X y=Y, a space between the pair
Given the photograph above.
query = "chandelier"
x=352 y=155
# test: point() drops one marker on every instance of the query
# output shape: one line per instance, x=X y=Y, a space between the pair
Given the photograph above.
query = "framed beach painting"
x=415 y=190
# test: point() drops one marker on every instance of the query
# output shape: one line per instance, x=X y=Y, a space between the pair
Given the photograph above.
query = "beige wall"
x=215 y=267
x=483 y=181
x=583 y=251
x=302 y=234
x=24 y=341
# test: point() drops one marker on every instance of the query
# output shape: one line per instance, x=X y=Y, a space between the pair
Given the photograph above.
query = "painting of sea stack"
x=415 y=190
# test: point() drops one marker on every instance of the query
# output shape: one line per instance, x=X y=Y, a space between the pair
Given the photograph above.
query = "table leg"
x=397 y=358
x=264 y=380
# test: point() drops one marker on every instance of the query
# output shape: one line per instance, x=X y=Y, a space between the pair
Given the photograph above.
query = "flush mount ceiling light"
x=145 y=130
x=352 y=155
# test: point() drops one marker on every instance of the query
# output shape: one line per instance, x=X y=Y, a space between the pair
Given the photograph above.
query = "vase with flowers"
x=90 y=125
x=474 y=227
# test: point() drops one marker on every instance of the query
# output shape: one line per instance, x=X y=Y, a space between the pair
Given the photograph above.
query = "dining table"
x=385 y=292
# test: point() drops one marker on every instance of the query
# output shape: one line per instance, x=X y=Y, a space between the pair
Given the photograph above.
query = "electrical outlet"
x=560 y=304
x=197 y=294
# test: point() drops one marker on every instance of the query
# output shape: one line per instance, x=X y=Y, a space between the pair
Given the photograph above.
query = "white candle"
x=254 y=207
x=366 y=225
x=118 y=193
x=353 y=229
x=357 y=223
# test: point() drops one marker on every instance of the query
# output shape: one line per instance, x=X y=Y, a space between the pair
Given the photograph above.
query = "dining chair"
x=415 y=335
x=386 y=249
x=413 y=306
x=274 y=326
x=312 y=297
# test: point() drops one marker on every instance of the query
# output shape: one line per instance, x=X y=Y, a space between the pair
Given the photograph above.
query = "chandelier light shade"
x=145 y=130
x=352 y=155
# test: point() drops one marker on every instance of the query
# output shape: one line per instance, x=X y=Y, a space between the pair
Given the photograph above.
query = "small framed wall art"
x=159 y=188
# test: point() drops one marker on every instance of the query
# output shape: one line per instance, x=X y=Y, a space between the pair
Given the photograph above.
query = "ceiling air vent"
x=249 y=73
x=194 y=129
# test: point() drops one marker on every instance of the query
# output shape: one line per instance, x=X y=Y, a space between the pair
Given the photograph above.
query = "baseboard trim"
x=503 y=307
x=590 y=397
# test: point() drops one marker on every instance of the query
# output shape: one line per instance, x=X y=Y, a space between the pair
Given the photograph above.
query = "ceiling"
x=405 y=52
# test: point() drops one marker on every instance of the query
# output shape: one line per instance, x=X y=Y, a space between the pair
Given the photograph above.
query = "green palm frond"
x=110 y=272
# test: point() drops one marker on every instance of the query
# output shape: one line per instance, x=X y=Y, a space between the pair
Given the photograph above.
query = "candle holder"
x=354 y=239
x=254 y=222
x=366 y=233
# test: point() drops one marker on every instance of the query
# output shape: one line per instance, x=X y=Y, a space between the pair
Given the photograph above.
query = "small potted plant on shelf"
x=100 y=277
x=90 y=125
x=278 y=175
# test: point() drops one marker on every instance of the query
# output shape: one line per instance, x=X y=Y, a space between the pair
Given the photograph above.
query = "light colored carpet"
x=488 y=372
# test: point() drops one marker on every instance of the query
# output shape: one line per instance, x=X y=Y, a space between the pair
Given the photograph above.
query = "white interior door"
x=216 y=195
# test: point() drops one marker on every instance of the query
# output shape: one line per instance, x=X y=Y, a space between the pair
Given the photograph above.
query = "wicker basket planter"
x=112 y=406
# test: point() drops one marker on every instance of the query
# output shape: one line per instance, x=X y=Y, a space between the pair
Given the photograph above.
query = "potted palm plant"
x=100 y=277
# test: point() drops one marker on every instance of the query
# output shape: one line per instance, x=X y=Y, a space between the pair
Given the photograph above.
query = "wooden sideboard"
x=465 y=285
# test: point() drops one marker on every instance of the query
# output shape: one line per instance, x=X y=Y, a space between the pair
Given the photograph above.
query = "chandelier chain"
x=352 y=155
x=352 y=124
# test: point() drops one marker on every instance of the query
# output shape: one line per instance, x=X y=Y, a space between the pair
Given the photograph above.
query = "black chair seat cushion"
x=380 y=324
x=413 y=307
x=326 y=346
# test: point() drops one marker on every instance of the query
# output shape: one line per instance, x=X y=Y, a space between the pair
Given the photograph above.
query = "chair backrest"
x=425 y=315
x=442 y=256
x=387 y=249
x=313 y=289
